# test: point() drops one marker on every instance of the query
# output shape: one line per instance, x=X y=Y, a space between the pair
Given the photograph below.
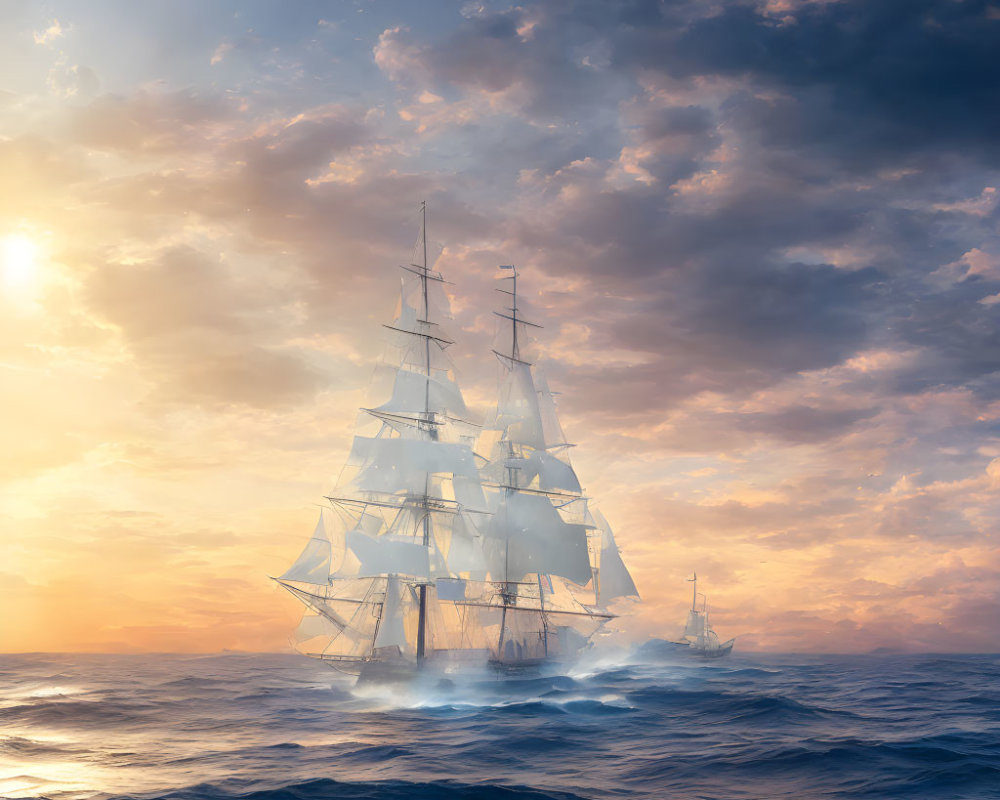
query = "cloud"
x=197 y=331
x=860 y=82
x=220 y=52
x=151 y=122
x=761 y=237
x=50 y=34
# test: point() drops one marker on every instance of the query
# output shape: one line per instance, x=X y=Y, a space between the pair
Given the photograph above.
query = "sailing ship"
x=698 y=634
x=449 y=542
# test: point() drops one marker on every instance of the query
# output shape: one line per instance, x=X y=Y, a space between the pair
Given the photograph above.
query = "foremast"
x=399 y=518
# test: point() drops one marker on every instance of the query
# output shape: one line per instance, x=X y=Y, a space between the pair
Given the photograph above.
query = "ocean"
x=282 y=727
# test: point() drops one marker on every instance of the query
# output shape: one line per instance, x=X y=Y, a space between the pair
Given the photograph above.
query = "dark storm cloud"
x=961 y=336
x=869 y=81
x=782 y=318
x=872 y=82
x=732 y=330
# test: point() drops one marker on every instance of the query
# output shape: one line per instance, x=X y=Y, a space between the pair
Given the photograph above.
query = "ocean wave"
x=21 y=747
x=228 y=728
x=762 y=708
x=79 y=713
x=326 y=789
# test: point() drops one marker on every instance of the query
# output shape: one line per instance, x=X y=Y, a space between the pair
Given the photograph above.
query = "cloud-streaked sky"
x=762 y=237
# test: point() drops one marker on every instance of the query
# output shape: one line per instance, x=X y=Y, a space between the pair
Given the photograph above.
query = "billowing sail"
x=313 y=565
x=695 y=626
x=527 y=535
x=553 y=473
x=614 y=580
x=414 y=393
x=385 y=554
x=465 y=554
x=391 y=629
x=552 y=431
x=314 y=625
x=517 y=409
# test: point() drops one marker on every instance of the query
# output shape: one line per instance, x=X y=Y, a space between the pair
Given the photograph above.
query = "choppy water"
x=283 y=727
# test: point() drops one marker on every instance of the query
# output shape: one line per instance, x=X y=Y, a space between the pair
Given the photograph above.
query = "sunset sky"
x=762 y=238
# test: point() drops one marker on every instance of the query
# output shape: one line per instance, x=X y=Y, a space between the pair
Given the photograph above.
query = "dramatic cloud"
x=762 y=238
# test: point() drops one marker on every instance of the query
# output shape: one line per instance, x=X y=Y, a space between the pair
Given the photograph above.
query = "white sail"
x=402 y=465
x=335 y=622
x=383 y=555
x=468 y=491
x=552 y=430
x=465 y=550
x=415 y=393
x=695 y=626
x=527 y=535
x=315 y=625
x=553 y=473
x=313 y=565
x=614 y=579
x=391 y=627
x=406 y=315
x=517 y=409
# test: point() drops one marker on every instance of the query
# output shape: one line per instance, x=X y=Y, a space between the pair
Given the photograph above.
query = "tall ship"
x=450 y=542
x=698 y=633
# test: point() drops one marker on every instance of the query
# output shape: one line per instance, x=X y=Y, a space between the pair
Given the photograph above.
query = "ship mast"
x=509 y=591
x=422 y=618
x=505 y=592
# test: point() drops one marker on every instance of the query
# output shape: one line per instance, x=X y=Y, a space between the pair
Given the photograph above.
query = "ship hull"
x=715 y=652
x=447 y=665
x=664 y=649
x=388 y=672
x=438 y=664
x=527 y=668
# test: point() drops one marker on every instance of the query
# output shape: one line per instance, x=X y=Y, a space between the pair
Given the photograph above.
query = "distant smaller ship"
x=701 y=639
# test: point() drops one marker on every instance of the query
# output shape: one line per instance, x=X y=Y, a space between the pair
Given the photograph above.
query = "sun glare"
x=20 y=255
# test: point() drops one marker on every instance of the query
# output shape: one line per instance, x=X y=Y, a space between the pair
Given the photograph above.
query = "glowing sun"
x=20 y=256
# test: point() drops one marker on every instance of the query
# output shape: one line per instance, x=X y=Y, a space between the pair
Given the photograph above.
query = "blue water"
x=273 y=727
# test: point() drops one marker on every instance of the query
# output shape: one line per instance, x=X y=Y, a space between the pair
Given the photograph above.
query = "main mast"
x=422 y=617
